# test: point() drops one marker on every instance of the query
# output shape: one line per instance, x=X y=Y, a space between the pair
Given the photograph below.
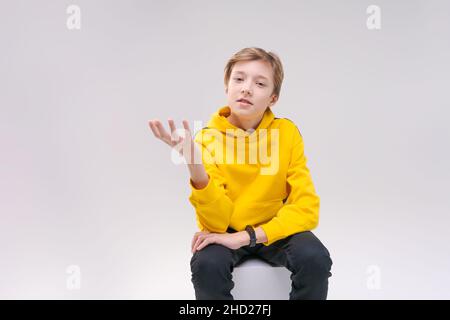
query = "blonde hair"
x=253 y=53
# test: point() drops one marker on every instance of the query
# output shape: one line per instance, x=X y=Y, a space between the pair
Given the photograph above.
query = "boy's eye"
x=258 y=83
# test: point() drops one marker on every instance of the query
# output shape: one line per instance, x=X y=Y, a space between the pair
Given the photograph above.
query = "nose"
x=246 y=90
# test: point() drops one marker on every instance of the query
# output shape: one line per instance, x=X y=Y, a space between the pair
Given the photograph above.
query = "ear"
x=273 y=100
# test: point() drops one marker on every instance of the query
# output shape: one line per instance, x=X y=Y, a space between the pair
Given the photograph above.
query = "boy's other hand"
x=229 y=240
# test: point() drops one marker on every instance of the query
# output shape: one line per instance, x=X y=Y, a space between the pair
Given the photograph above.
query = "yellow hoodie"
x=257 y=178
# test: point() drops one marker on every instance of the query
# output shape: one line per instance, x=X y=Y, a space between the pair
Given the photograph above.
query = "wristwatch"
x=252 y=234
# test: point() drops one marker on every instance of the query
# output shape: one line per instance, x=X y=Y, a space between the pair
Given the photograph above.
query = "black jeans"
x=302 y=253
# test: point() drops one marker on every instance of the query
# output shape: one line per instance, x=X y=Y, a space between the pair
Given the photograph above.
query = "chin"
x=242 y=111
x=239 y=107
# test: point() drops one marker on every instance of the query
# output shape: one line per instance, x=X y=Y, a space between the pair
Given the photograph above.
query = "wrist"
x=199 y=177
x=244 y=238
x=261 y=236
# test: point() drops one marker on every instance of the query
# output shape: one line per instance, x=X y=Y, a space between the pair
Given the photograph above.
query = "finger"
x=187 y=128
x=186 y=125
x=207 y=241
x=154 y=128
x=200 y=245
x=174 y=136
x=163 y=133
x=171 y=125
x=200 y=239
x=197 y=242
x=194 y=239
x=209 y=238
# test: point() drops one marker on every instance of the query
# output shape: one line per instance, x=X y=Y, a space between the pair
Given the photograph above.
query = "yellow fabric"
x=282 y=199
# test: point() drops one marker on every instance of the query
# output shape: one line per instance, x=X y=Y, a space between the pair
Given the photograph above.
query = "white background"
x=83 y=181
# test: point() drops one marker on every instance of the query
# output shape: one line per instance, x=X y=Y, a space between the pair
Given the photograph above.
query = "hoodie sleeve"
x=301 y=209
x=212 y=205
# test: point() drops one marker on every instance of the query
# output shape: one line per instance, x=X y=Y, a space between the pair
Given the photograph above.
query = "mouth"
x=244 y=101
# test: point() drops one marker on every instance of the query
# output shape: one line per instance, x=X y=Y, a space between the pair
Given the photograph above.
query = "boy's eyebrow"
x=258 y=76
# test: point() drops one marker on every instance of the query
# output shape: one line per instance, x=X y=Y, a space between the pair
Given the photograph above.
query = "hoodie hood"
x=220 y=122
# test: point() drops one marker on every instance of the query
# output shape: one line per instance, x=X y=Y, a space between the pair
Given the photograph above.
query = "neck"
x=245 y=124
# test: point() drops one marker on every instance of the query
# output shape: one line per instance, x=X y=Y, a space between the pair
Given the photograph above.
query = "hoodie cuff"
x=208 y=194
x=273 y=230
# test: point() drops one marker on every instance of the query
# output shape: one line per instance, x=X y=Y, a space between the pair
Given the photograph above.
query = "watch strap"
x=252 y=235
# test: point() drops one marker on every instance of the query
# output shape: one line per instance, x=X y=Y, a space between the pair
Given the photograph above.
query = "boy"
x=250 y=200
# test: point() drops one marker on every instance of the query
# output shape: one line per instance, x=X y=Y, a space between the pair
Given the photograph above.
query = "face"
x=253 y=82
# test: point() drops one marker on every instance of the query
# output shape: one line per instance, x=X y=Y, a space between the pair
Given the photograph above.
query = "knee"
x=313 y=259
x=212 y=259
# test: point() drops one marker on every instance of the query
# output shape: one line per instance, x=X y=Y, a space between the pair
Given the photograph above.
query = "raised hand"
x=186 y=146
x=183 y=144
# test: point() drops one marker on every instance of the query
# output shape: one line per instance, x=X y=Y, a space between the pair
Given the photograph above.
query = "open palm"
x=184 y=144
